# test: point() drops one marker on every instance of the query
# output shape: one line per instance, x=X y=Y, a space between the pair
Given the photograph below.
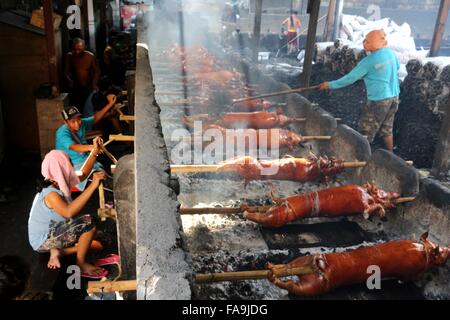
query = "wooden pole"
x=223 y=210
x=313 y=10
x=111 y=286
x=439 y=27
x=260 y=209
x=131 y=285
x=338 y=19
x=328 y=30
x=278 y=93
x=124 y=117
x=50 y=43
x=251 y=275
x=101 y=195
x=120 y=137
x=257 y=29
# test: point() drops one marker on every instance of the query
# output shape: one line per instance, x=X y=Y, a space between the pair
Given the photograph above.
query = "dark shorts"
x=66 y=233
x=291 y=36
x=378 y=116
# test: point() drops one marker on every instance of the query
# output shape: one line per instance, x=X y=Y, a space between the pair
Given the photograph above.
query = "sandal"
x=110 y=259
x=95 y=276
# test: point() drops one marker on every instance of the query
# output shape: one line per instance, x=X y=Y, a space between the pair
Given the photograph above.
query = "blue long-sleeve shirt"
x=379 y=71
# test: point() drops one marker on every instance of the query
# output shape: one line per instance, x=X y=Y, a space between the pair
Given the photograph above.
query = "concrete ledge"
x=349 y=145
x=162 y=268
x=391 y=173
x=435 y=192
x=298 y=105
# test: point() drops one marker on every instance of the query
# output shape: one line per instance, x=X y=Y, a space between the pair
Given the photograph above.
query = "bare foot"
x=53 y=262
x=90 y=269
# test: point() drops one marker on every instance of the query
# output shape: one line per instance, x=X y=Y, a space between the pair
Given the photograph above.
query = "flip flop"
x=95 y=276
x=110 y=259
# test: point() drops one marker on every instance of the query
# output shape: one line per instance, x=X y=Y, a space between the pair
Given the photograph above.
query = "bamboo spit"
x=120 y=137
x=222 y=210
x=205 y=117
x=201 y=168
x=127 y=118
x=305 y=138
x=131 y=285
x=261 y=209
x=279 y=93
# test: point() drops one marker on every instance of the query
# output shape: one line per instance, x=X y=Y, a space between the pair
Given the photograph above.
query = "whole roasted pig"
x=257 y=138
x=244 y=120
x=334 y=202
x=402 y=259
x=294 y=169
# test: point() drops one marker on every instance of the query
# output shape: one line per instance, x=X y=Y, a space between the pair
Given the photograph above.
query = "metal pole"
x=50 y=41
x=440 y=27
x=313 y=10
x=257 y=29
x=338 y=18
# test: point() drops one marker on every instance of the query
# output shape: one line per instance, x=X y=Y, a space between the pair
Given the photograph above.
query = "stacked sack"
x=428 y=80
x=345 y=52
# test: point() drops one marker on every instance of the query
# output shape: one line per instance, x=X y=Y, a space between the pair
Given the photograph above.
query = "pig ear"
x=424 y=236
x=435 y=251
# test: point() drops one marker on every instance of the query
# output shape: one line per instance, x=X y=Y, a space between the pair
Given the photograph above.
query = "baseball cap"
x=70 y=113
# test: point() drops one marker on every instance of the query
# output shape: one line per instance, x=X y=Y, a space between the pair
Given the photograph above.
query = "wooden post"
x=328 y=30
x=50 y=41
x=91 y=25
x=440 y=27
x=441 y=161
x=338 y=18
x=313 y=10
x=257 y=29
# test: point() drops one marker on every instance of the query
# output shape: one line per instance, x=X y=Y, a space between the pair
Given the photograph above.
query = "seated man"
x=97 y=100
x=71 y=137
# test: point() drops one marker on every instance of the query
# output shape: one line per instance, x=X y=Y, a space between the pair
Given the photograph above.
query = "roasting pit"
x=218 y=243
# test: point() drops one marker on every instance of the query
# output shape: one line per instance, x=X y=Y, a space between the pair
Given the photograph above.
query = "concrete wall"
x=161 y=261
x=124 y=198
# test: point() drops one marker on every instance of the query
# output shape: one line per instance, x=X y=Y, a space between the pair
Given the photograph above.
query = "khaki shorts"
x=378 y=116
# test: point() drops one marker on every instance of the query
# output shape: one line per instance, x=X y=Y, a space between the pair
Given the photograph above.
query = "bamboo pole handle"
x=225 y=210
x=197 y=168
x=124 y=117
x=279 y=93
x=354 y=164
x=101 y=195
x=131 y=285
x=251 y=275
x=120 y=137
x=111 y=286
x=307 y=138
x=403 y=200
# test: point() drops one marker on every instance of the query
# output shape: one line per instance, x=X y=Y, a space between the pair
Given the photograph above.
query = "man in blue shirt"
x=71 y=136
x=379 y=70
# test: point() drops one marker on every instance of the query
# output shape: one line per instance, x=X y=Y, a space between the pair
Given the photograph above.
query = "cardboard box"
x=37 y=19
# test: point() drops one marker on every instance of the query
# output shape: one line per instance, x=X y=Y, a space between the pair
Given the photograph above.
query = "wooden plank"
x=439 y=27
x=313 y=10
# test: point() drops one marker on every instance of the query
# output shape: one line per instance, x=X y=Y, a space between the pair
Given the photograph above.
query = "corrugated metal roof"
x=19 y=21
